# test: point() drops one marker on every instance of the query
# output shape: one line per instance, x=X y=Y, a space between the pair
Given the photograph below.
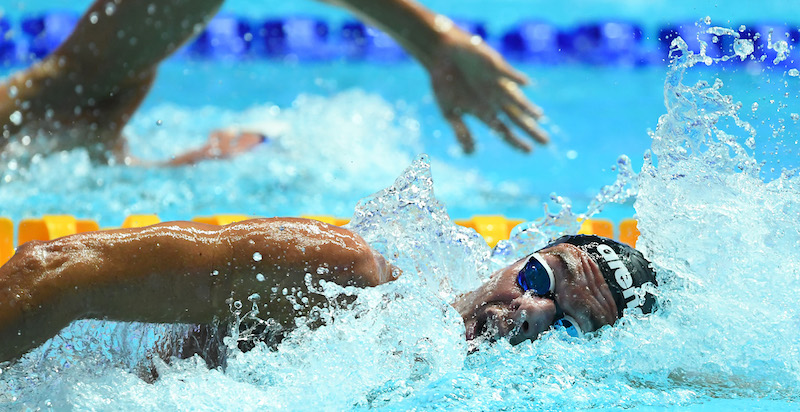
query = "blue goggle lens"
x=536 y=276
x=569 y=325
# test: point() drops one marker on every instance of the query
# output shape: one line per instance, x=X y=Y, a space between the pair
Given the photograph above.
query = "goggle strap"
x=547 y=269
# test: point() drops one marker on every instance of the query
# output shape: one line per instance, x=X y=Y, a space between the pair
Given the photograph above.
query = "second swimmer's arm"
x=172 y=272
x=409 y=23
x=467 y=76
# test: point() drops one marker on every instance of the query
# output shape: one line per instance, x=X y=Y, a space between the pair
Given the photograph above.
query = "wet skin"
x=500 y=308
x=187 y=272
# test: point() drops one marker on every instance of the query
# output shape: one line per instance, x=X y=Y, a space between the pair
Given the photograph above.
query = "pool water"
x=717 y=206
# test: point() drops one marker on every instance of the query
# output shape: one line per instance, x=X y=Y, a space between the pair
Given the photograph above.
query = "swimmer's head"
x=583 y=281
x=624 y=268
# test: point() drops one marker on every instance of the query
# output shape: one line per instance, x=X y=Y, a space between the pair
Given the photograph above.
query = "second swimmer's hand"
x=469 y=77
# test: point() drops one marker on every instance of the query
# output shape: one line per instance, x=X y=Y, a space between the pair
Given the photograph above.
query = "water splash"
x=725 y=240
x=723 y=237
x=531 y=236
x=407 y=224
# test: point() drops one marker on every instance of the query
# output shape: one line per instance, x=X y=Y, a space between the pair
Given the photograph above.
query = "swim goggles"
x=537 y=276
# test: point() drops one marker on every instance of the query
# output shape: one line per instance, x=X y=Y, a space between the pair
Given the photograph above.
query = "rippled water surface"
x=716 y=196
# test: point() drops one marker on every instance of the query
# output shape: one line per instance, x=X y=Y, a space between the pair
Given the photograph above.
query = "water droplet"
x=794 y=72
x=254 y=297
x=782 y=47
x=442 y=23
x=257 y=257
x=754 y=107
x=237 y=304
x=159 y=122
x=93 y=18
x=750 y=142
x=260 y=277
x=151 y=9
x=16 y=118
x=743 y=47
x=12 y=92
x=214 y=273
x=110 y=8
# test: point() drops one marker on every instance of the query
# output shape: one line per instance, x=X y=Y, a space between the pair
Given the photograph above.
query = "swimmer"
x=188 y=272
x=86 y=91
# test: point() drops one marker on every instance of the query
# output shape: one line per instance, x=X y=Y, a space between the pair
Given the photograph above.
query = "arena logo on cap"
x=621 y=275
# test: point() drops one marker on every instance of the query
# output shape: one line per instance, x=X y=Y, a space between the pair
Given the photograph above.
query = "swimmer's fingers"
x=526 y=123
x=601 y=305
x=515 y=95
x=505 y=132
x=584 y=295
x=513 y=74
x=462 y=133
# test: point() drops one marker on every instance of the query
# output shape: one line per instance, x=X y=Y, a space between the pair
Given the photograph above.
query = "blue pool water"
x=717 y=212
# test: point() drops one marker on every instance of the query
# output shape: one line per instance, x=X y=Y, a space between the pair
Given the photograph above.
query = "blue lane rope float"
x=305 y=38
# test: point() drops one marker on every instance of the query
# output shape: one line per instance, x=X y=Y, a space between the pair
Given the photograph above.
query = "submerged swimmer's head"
x=582 y=281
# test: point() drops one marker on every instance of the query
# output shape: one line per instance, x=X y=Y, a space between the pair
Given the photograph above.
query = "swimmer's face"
x=500 y=308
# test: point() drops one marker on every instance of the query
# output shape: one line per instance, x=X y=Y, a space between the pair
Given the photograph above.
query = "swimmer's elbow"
x=372 y=269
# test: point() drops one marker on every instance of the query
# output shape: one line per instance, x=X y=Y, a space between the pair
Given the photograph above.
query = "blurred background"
x=357 y=110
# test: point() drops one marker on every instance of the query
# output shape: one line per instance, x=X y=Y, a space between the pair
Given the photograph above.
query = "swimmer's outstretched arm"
x=467 y=75
x=173 y=272
x=221 y=144
x=101 y=73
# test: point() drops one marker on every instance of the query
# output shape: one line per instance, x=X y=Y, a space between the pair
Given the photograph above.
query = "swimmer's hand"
x=469 y=77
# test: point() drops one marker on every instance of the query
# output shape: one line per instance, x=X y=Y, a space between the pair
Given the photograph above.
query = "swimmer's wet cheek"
x=533 y=316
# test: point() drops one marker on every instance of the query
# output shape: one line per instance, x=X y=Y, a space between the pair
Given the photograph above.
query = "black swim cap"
x=624 y=268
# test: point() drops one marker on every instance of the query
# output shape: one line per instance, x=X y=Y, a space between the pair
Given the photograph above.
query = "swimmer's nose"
x=532 y=316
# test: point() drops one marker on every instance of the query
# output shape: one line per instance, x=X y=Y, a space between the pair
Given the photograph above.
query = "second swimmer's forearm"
x=417 y=29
